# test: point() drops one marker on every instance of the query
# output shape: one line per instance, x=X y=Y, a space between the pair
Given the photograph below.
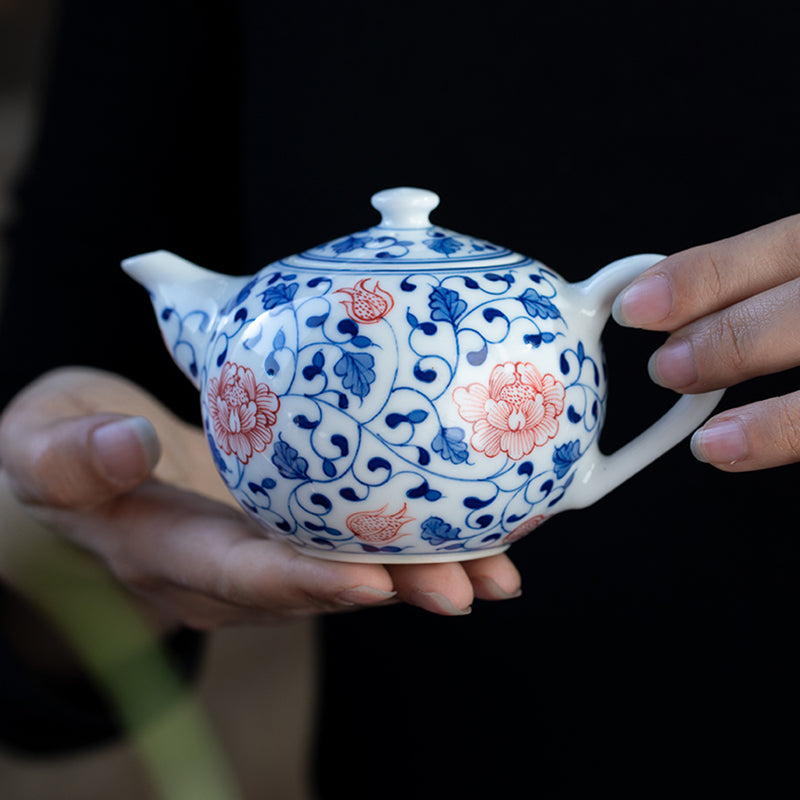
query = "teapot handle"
x=601 y=472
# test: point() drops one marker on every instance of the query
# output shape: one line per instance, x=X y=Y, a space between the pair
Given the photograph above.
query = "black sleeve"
x=134 y=152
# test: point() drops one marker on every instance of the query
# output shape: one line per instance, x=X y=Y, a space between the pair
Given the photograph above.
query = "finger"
x=76 y=462
x=695 y=282
x=205 y=563
x=758 y=336
x=757 y=436
x=439 y=588
x=494 y=578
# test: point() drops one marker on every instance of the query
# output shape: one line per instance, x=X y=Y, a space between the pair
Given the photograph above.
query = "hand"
x=732 y=309
x=79 y=450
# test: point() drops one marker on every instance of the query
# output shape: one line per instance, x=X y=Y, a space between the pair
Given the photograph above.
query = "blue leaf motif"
x=446 y=305
x=316 y=321
x=395 y=419
x=436 y=531
x=493 y=276
x=347 y=327
x=565 y=456
x=313 y=369
x=449 y=444
x=424 y=490
x=355 y=370
x=271 y=366
x=424 y=375
x=341 y=442
x=490 y=314
x=350 y=243
x=477 y=357
x=538 y=306
x=278 y=294
x=536 y=339
x=320 y=500
x=446 y=245
x=289 y=462
x=533 y=339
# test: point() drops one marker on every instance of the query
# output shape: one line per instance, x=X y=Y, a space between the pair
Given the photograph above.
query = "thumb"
x=79 y=462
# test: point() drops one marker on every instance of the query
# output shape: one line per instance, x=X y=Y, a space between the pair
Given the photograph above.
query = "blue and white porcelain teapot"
x=405 y=393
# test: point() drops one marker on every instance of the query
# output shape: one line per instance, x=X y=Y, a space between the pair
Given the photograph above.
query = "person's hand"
x=732 y=309
x=78 y=450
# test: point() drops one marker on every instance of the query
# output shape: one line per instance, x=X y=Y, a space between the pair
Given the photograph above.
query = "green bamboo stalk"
x=164 y=723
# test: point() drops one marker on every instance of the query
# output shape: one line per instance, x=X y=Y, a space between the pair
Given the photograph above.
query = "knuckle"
x=711 y=283
x=729 y=342
x=787 y=425
x=788 y=245
x=48 y=483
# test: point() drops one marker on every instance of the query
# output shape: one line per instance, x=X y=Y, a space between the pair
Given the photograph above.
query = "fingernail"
x=489 y=589
x=364 y=596
x=673 y=365
x=126 y=449
x=720 y=442
x=644 y=302
x=438 y=604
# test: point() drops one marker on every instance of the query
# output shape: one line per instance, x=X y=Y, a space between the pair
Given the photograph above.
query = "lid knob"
x=405 y=207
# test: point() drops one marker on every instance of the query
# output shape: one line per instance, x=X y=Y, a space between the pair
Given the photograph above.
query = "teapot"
x=405 y=393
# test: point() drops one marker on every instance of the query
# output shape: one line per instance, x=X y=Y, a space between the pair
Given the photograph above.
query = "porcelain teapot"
x=405 y=393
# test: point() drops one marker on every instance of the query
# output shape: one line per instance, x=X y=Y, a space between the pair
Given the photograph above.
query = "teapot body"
x=410 y=413
x=404 y=393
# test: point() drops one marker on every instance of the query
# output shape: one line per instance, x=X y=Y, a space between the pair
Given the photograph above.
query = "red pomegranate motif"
x=516 y=412
x=524 y=528
x=242 y=411
x=375 y=526
x=366 y=306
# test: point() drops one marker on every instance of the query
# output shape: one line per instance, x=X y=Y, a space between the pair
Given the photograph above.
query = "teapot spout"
x=187 y=300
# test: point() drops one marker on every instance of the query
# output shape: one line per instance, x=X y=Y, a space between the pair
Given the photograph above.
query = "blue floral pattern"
x=370 y=455
x=401 y=391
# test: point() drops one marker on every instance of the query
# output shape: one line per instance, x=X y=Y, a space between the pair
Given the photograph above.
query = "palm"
x=177 y=540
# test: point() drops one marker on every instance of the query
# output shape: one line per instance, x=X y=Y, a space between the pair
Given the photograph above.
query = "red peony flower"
x=516 y=412
x=242 y=411
x=366 y=305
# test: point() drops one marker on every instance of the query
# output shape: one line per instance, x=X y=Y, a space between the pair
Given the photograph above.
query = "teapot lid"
x=405 y=237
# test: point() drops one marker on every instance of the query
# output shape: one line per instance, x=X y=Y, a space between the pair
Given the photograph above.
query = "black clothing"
x=650 y=650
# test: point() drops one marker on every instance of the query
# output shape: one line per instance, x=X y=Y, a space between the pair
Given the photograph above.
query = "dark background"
x=651 y=649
